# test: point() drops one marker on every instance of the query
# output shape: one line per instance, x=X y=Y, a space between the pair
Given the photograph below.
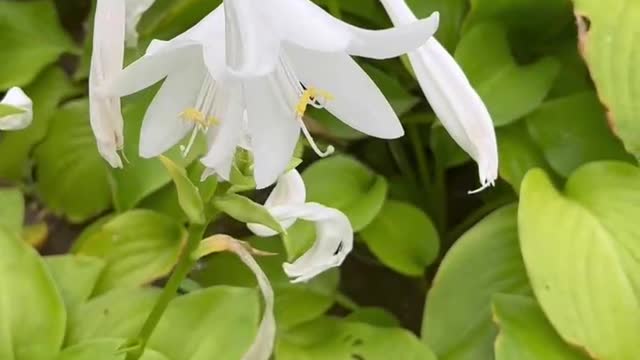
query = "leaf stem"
x=346 y=302
x=182 y=269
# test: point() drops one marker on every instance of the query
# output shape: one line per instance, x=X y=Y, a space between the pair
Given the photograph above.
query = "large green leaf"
x=168 y=18
x=12 y=210
x=51 y=86
x=138 y=246
x=344 y=183
x=328 y=338
x=31 y=37
x=509 y=90
x=607 y=40
x=32 y=312
x=581 y=253
x=484 y=261
x=403 y=237
x=215 y=323
x=103 y=349
x=117 y=314
x=75 y=276
x=188 y=194
x=525 y=334
x=72 y=177
x=294 y=303
x=572 y=131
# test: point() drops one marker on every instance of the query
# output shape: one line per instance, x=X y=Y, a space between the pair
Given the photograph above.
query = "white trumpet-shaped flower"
x=334 y=233
x=134 y=11
x=453 y=99
x=106 y=63
x=199 y=94
x=18 y=100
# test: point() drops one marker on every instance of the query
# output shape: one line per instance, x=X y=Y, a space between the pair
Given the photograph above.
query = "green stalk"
x=182 y=269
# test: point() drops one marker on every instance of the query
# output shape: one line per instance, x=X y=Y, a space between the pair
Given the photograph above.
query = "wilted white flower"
x=453 y=99
x=334 y=233
x=17 y=100
x=199 y=94
x=106 y=63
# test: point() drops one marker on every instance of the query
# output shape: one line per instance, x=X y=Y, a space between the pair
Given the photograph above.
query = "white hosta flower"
x=455 y=102
x=199 y=93
x=134 y=11
x=289 y=190
x=17 y=99
x=334 y=233
x=262 y=346
x=106 y=63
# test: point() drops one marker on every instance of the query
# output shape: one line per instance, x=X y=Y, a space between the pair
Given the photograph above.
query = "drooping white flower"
x=262 y=346
x=453 y=99
x=18 y=100
x=199 y=94
x=134 y=11
x=334 y=233
x=106 y=63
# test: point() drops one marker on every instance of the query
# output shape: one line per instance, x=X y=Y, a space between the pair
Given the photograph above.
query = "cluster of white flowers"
x=245 y=75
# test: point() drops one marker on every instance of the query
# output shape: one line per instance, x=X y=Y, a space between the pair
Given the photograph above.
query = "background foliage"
x=543 y=266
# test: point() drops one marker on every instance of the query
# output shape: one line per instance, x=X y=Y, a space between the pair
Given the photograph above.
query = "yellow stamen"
x=197 y=117
x=309 y=96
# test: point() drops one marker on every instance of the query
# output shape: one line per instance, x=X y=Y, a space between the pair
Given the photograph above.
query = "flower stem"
x=182 y=269
x=346 y=302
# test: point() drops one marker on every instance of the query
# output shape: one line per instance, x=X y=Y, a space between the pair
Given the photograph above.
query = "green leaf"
x=116 y=314
x=484 y=261
x=328 y=338
x=572 y=131
x=31 y=309
x=138 y=246
x=581 y=253
x=525 y=333
x=188 y=194
x=509 y=90
x=141 y=177
x=247 y=211
x=403 y=237
x=294 y=303
x=208 y=324
x=51 y=86
x=518 y=154
x=7 y=110
x=343 y=183
x=168 y=18
x=374 y=316
x=533 y=22
x=31 y=38
x=103 y=349
x=606 y=32
x=12 y=210
x=448 y=152
x=452 y=13
x=72 y=176
x=75 y=276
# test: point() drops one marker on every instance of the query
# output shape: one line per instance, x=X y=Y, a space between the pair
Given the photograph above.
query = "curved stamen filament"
x=318 y=99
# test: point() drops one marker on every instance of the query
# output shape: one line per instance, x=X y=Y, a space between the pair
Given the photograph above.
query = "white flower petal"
x=458 y=106
x=289 y=190
x=224 y=141
x=150 y=69
x=17 y=98
x=273 y=127
x=106 y=63
x=334 y=239
x=162 y=126
x=262 y=346
x=134 y=11
x=357 y=101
